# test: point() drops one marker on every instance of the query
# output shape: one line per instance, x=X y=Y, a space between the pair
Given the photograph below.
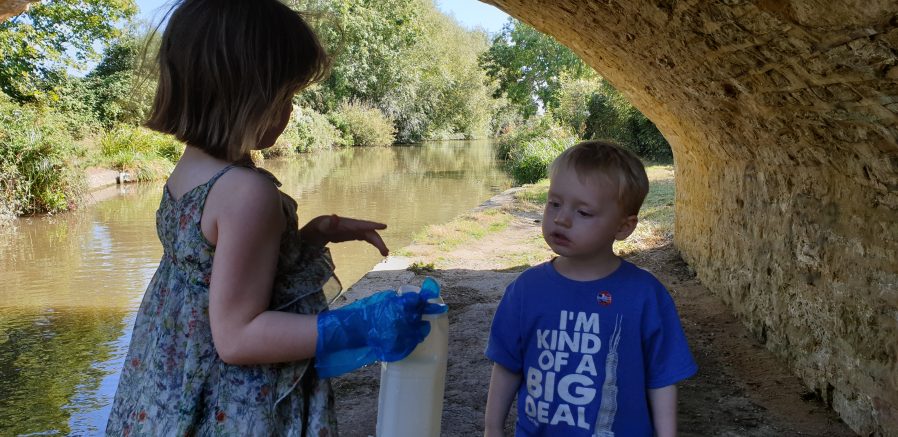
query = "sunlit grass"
x=535 y=194
x=146 y=154
x=656 y=217
x=463 y=230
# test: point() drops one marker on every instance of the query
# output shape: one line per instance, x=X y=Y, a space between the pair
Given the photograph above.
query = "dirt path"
x=741 y=388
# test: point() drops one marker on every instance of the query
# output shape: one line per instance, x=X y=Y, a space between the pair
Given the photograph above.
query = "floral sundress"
x=174 y=384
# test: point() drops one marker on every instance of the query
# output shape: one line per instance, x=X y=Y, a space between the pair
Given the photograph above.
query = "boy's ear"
x=627 y=226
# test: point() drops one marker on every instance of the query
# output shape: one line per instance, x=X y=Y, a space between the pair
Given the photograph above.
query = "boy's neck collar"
x=586 y=270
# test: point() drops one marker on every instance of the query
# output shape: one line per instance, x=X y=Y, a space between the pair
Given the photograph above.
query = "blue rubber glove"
x=385 y=326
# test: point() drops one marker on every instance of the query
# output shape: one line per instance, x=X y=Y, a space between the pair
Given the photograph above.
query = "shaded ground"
x=741 y=388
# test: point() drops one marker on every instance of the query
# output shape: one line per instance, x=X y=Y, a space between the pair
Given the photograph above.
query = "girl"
x=224 y=338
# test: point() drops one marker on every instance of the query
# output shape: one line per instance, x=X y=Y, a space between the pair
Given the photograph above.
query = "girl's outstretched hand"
x=335 y=229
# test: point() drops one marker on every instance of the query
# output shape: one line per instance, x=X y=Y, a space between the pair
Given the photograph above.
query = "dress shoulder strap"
x=220 y=173
x=267 y=174
x=207 y=187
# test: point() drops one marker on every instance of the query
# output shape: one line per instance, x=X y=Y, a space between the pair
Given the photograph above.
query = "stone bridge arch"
x=11 y=8
x=782 y=118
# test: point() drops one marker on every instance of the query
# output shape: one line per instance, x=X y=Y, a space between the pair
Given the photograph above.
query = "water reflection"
x=70 y=285
x=405 y=187
x=52 y=364
x=71 y=282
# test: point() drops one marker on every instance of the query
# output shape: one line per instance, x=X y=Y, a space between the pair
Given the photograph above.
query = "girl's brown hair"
x=226 y=70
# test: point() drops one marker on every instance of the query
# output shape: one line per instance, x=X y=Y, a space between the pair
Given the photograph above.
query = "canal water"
x=71 y=283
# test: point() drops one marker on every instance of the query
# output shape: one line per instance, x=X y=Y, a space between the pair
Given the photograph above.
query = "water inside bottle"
x=410 y=402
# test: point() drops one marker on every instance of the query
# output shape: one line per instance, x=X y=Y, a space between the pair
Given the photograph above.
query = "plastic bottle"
x=410 y=402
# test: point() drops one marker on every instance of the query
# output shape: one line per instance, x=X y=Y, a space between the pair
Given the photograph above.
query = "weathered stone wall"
x=11 y=8
x=782 y=118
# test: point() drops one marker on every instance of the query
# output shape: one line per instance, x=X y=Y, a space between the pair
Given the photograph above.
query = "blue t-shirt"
x=588 y=351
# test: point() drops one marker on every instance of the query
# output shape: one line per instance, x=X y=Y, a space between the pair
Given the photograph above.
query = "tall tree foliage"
x=118 y=90
x=38 y=46
x=591 y=108
x=528 y=65
x=611 y=116
x=451 y=68
x=367 y=40
x=415 y=64
x=123 y=83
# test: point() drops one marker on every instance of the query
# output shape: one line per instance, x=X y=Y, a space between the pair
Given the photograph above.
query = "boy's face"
x=583 y=218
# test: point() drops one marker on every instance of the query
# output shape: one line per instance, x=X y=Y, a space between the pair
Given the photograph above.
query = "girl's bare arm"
x=246 y=210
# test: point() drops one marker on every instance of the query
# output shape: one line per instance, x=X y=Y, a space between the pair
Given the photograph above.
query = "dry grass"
x=466 y=229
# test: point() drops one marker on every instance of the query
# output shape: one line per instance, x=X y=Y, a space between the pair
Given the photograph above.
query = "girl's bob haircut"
x=227 y=68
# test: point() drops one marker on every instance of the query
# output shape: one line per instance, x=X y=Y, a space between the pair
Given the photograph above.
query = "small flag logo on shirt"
x=604 y=298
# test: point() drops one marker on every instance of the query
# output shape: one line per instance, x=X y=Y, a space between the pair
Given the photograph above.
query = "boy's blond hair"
x=227 y=68
x=596 y=158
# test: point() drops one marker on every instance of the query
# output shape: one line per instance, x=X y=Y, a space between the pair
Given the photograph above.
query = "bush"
x=73 y=98
x=341 y=124
x=529 y=150
x=38 y=170
x=147 y=154
x=365 y=125
x=535 y=128
x=115 y=92
x=283 y=147
x=308 y=130
x=323 y=134
x=530 y=162
x=574 y=96
x=505 y=118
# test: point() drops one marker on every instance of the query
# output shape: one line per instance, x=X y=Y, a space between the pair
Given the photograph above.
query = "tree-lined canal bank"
x=71 y=282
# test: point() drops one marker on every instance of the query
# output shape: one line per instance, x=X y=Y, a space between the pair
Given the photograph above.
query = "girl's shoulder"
x=243 y=199
x=245 y=184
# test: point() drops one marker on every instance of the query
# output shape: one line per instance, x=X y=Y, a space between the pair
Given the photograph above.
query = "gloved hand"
x=385 y=326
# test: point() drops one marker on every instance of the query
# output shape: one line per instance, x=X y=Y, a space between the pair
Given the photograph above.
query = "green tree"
x=123 y=83
x=38 y=46
x=528 y=66
x=611 y=116
x=367 y=40
x=461 y=91
x=415 y=64
x=574 y=96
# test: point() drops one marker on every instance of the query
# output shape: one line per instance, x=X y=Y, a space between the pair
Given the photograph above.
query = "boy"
x=591 y=344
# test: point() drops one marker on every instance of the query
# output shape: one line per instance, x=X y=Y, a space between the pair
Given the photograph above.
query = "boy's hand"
x=335 y=229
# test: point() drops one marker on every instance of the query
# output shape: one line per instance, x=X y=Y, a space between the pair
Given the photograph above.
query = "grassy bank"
x=436 y=246
x=45 y=155
x=144 y=154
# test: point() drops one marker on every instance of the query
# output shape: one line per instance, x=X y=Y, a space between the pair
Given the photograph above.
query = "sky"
x=471 y=14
